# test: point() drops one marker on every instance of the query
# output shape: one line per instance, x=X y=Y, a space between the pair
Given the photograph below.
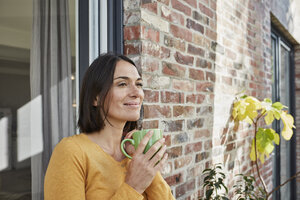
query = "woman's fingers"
x=129 y=134
x=144 y=142
x=155 y=148
x=158 y=156
x=162 y=162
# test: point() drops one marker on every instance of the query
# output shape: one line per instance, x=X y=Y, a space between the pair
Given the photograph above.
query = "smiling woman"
x=91 y=165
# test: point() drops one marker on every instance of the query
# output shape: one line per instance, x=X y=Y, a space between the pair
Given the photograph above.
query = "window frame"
x=280 y=40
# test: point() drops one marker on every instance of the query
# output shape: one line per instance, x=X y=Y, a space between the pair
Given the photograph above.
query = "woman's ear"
x=95 y=103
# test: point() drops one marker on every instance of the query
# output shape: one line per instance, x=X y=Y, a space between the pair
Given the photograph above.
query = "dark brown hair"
x=97 y=82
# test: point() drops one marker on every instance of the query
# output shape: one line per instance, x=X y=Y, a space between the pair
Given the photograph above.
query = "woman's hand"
x=141 y=169
x=129 y=148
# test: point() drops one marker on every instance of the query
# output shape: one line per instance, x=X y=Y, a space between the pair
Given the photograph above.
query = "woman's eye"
x=139 y=84
x=122 y=84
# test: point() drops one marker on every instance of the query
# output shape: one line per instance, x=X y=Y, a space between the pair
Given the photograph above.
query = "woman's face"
x=126 y=94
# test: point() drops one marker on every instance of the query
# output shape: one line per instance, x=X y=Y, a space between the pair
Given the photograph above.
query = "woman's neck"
x=109 y=140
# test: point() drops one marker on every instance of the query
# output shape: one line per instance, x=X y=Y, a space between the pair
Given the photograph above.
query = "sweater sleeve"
x=159 y=189
x=126 y=192
x=65 y=174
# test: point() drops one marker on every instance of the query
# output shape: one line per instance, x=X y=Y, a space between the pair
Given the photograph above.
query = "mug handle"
x=122 y=147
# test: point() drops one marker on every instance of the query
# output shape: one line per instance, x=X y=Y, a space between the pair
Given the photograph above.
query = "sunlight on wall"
x=30 y=133
x=3 y=143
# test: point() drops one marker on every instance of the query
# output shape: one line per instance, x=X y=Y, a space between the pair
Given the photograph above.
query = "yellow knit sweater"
x=80 y=169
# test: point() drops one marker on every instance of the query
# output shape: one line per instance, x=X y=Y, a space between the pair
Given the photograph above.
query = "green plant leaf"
x=209 y=193
x=278 y=106
x=288 y=122
x=276 y=138
x=269 y=118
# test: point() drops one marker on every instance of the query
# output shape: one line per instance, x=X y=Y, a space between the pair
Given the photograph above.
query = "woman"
x=91 y=165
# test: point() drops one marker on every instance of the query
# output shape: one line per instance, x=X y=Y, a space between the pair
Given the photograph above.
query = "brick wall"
x=195 y=56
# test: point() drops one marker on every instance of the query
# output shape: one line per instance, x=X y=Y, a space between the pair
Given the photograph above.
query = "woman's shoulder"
x=71 y=144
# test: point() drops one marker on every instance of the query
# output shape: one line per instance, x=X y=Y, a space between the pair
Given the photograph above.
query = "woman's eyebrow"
x=125 y=77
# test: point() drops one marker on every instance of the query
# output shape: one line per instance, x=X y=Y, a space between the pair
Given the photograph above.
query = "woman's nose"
x=136 y=91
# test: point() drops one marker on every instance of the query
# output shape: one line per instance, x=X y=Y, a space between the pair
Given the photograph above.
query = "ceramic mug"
x=137 y=138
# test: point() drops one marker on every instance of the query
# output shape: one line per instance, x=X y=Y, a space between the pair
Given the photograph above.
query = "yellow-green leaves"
x=288 y=122
x=250 y=109
x=271 y=111
x=246 y=109
x=264 y=143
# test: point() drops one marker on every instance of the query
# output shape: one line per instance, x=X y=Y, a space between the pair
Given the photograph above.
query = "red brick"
x=180 y=138
x=164 y=1
x=172 y=16
x=183 y=161
x=181 y=7
x=150 y=34
x=173 y=69
x=181 y=33
x=195 y=123
x=203 y=63
x=150 y=124
x=176 y=43
x=204 y=110
x=193 y=147
x=212 y=55
x=173 y=126
x=164 y=53
x=155 y=111
x=195 y=98
x=172 y=97
x=152 y=7
x=210 y=33
x=151 y=96
x=184 y=188
x=201 y=156
x=167 y=140
x=213 y=5
x=183 y=85
x=252 y=85
x=182 y=59
x=132 y=32
x=205 y=133
x=130 y=49
x=210 y=76
x=151 y=48
x=193 y=3
x=183 y=111
x=205 y=87
x=200 y=18
x=199 y=40
x=150 y=65
x=174 y=152
x=196 y=74
x=206 y=10
x=195 y=50
x=174 y=179
x=193 y=25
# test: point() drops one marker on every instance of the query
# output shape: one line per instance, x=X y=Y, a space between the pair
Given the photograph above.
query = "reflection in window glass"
x=21 y=130
x=285 y=99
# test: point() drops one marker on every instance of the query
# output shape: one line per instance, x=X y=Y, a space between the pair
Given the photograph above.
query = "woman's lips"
x=132 y=105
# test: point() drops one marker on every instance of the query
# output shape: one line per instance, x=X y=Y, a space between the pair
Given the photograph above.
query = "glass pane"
x=285 y=99
x=18 y=145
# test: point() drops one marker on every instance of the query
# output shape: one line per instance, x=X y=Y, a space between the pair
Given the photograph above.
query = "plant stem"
x=256 y=158
x=279 y=186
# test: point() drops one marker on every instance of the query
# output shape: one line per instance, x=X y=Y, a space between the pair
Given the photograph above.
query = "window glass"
x=21 y=115
x=284 y=66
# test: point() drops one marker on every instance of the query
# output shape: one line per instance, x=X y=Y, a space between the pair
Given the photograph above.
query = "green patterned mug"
x=137 y=138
